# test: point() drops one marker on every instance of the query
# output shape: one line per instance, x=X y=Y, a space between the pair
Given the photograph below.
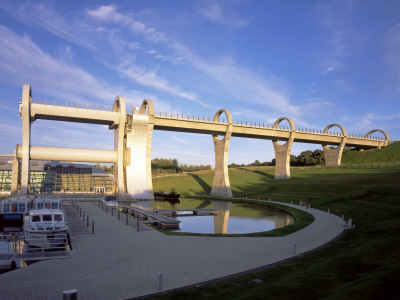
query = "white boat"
x=110 y=200
x=47 y=201
x=16 y=204
x=46 y=228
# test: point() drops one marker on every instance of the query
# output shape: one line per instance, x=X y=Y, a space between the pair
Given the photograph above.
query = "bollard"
x=342 y=217
x=294 y=248
x=92 y=226
x=70 y=295
x=291 y=202
x=126 y=217
x=87 y=221
x=118 y=215
x=309 y=205
x=137 y=224
x=329 y=211
x=160 y=275
x=349 y=224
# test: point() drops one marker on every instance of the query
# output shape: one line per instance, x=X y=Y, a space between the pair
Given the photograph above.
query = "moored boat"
x=16 y=204
x=46 y=228
x=110 y=200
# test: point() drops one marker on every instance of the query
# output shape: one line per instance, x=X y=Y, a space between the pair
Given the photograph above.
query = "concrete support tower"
x=221 y=185
x=138 y=152
x=119 y=143
x=26 y=137
x=282 y=152
x=333 y=157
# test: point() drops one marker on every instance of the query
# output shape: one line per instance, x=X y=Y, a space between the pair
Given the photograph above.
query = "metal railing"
x=72 y=105
x=19 y=248
x=262 y=125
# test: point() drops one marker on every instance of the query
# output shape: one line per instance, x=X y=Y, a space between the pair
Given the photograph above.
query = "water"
x=230 y=217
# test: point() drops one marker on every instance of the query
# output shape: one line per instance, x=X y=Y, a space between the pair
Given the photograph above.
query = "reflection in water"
x=221 y=215
x=282 y=220
x=229 y=217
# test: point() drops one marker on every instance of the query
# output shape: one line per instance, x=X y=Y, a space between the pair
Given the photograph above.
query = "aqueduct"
x=133 y=137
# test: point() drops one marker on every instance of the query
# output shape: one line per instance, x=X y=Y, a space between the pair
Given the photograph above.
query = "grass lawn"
x=363 y=264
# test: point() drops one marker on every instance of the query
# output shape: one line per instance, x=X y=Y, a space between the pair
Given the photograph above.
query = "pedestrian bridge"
x=133 y=137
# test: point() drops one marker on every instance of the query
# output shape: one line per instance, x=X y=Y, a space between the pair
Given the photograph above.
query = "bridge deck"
x=256 y=130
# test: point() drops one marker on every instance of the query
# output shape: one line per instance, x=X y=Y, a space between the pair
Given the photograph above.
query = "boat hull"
x=46 y=239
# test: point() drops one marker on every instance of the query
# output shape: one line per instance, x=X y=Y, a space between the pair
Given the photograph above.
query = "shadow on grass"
x=258 y=172
x=206 y=187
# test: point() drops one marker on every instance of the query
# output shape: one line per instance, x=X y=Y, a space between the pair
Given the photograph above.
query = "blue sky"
x=316 y=62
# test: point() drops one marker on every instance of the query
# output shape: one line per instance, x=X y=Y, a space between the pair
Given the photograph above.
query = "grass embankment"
x=363 y=264
x=390 y=153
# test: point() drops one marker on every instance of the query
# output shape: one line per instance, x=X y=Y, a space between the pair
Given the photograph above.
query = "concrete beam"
x=256 y=132
x=69 y=154
x=73 y=114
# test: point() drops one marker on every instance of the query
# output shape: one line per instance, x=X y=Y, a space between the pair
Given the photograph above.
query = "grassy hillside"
x=389 y=153
x=363 y=264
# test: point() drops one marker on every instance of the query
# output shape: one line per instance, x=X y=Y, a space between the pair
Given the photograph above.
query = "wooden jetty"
x=150 y=217
x=185 y=212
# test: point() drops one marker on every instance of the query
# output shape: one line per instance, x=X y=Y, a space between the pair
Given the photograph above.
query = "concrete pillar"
x=139 y=135
x=221 y=216
x=25 y=113
x=15 y=176
x=221 y=185
x=282 y=152
x=119 y=146
x=333 y=157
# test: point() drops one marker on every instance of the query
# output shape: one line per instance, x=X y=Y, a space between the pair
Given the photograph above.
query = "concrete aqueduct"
x=133 y=136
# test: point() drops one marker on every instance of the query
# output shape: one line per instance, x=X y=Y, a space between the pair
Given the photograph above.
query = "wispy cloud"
x=333 y=21
x=24 y=60
x=372 y=120
x=109 y=14
x=43 y=16
x=230 y=78
x=222 y=13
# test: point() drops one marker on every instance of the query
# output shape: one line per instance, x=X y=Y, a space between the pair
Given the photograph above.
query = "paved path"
x=117 y=262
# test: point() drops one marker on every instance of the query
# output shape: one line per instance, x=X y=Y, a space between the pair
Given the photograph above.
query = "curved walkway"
x=117 y=262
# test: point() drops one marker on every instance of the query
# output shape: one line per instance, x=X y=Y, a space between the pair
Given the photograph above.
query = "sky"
x=316 y=62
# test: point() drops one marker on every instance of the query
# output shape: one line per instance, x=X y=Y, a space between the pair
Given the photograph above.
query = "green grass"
x=363 y=264
x=390 y=153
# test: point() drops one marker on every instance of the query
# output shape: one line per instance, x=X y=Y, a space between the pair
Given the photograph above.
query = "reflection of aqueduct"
x=133 y=135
